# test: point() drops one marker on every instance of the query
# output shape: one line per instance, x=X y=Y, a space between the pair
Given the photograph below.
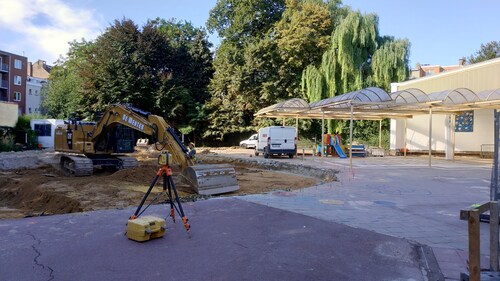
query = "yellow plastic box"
x=145 y=228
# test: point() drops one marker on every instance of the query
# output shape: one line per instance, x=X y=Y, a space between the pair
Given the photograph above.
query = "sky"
x=440 y=31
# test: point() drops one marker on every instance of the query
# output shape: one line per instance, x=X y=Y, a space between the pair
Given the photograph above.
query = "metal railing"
x=487 y=150
x=4 y=84
x=473 y=216
x=4 y=67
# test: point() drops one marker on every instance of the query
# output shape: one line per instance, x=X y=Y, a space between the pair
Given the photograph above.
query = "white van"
x=277 y=140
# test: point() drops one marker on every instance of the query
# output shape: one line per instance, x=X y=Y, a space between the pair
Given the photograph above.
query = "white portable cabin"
x=45 y=129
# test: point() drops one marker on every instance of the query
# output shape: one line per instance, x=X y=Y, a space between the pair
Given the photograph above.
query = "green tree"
x=390 y=62
x=119 y=69
x=487 y=51
x=191 y=62
x=242 y=64
x=63 y=92
x=302 y=36
x=357 y=58
x=164 y=67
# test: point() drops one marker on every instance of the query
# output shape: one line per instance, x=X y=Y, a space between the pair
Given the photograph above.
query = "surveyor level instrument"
x=169 y=190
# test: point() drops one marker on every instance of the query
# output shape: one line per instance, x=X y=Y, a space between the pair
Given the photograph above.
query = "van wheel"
x=290 y=155
x=244 y=146
x=256 y=153
x=266 y=153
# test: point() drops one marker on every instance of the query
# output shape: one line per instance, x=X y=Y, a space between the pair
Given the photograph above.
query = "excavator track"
x=77 y=165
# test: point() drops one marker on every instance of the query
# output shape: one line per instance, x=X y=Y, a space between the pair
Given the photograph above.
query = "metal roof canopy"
x=376 y=104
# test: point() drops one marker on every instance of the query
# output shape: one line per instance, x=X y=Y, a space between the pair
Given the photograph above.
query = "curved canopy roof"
x=375 y=103
x=367 y=95
x=294 y=105
x=410 y=96
x=454 y=97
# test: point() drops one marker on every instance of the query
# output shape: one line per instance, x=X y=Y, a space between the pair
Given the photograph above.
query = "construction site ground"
x=33 y=185
x=384 y=218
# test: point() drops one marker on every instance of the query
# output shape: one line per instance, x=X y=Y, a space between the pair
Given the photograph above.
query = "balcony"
x=4 y=67
x=4 y=84
x=4 y=96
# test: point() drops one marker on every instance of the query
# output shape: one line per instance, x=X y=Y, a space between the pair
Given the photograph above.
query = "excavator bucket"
x=211 y=179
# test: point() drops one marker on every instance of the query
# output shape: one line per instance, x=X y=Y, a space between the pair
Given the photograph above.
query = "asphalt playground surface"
x=387 y=218
x=230 y=240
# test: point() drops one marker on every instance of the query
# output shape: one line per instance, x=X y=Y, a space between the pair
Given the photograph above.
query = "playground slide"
x=338 y=148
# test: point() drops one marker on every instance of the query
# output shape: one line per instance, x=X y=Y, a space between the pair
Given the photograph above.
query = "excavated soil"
x=45 y=190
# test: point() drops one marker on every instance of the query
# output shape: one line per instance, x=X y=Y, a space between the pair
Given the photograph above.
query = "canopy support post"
x=449 y=137
x=430 y=136
x=406 y=137
x=297 y=126
x=297 y=134
x=350 y=138
x=380 y=133
x=322 y=131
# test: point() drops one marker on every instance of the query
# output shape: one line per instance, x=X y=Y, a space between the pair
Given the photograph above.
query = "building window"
x=29 y=91
x=17 y=80
x=18 y=64
x=17 y=96
x=36 y=92
x=29 y=110
x=43 y=130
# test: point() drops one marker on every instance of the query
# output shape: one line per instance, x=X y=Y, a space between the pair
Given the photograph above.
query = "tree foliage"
x=487 y=51
x=259 y=64
x=163 y=67
x=271 y=50
x=244 y=63
x=357 y=58
x=63 y=92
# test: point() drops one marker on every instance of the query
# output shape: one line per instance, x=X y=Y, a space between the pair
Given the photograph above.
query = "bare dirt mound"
x=45 y=190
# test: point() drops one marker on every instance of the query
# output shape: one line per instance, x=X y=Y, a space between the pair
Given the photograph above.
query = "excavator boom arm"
x=146 y=123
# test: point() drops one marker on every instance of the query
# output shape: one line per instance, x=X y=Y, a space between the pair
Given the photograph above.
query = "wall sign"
x=465 y=122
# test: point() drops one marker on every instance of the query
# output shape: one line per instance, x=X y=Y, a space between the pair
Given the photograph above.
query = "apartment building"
x=423 y=70
x=13 y=78
x=39 y=69
x=33 y=94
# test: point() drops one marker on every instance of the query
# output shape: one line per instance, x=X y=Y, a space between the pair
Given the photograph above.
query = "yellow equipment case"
x=145 y=228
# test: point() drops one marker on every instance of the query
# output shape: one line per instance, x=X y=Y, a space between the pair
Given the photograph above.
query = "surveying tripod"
x=168 y=186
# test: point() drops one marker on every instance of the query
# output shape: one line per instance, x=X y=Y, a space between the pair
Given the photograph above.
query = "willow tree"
x=313 y=84
x=390 y=62
x=357 y=58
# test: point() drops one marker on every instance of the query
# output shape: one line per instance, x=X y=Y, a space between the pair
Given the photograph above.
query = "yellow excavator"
x=85 y=145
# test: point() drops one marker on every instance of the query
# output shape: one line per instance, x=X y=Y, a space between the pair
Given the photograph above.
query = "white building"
x=33 y=94
x=446 y=137
x=45 y=129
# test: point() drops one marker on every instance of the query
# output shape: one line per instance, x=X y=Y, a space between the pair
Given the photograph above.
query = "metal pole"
x=406 y=135
x=283 y=121
x=494 y=236
x=453 y=117
x=322 y=131
x=494 y=172
x=430 y=136
x=380 y=133
x=297 y=132
x=297 y=126
x=350 y=139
